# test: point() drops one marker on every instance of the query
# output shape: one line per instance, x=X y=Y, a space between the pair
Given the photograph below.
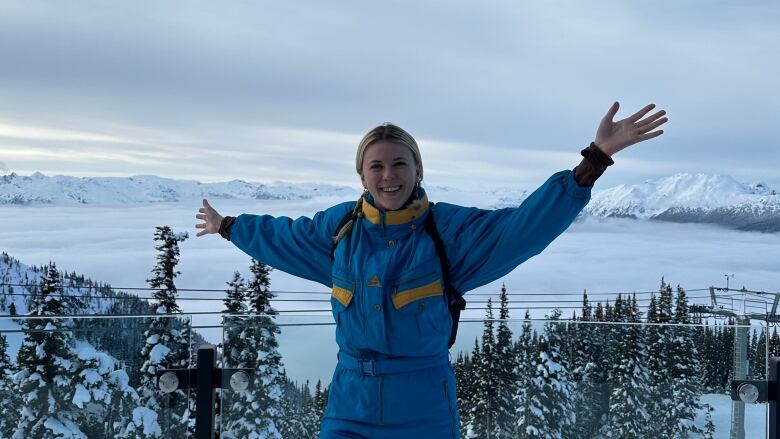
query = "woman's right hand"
x=212 y=219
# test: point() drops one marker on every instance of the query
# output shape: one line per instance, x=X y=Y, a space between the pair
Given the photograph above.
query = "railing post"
x=205 y=391
x=205 y=378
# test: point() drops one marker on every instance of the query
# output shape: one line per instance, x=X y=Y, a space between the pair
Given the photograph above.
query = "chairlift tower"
x=741 y=336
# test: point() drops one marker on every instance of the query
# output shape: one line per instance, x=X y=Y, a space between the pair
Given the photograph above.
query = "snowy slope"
x=92 y=294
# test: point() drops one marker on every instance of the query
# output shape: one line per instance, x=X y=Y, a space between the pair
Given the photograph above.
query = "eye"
x=375 y=167
x=400 y=164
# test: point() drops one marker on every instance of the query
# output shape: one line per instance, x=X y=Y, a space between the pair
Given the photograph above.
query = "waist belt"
x=391 y=365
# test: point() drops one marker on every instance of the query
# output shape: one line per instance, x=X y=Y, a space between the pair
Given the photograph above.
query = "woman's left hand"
x=612 y=137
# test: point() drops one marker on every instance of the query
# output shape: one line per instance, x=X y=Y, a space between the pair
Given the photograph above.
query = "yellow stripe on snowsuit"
x=343 y=295
x=407 y=296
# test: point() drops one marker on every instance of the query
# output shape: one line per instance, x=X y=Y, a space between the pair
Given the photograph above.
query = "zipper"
x=381 y=400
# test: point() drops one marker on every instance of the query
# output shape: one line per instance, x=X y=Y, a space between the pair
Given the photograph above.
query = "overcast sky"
x=500 y=93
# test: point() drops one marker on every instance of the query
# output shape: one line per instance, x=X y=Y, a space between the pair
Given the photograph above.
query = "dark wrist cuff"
x=594 y=163
x=225 y=226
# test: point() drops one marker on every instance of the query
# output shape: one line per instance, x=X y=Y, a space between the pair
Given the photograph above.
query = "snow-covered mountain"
x=41 y=189
x=693 y=198
x=697 y=198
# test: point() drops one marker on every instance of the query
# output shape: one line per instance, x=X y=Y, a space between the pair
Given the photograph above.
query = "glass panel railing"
x=88 y=377
x=518 y=378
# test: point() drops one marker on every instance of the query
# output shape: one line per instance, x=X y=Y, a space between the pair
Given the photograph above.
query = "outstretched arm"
x=300 y=247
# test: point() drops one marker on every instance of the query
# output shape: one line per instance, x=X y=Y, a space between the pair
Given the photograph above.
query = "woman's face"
x=389 y=173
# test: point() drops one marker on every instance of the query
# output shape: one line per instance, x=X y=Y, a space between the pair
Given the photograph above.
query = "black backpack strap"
x=455 y=301
x=338 y=229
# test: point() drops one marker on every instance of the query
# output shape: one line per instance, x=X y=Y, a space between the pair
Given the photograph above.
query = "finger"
x=641 y=113
x=206 y=203
x=648 y=136
x=652 y=126
x=200 y=226
x=201 y=216
x=612 y=111
x=201 y=233
x=202 y=210
x=651 y=118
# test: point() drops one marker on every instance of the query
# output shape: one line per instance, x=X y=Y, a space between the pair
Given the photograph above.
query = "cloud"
x=507 y=77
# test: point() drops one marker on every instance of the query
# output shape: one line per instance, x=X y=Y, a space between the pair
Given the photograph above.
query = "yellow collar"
x=395 y=217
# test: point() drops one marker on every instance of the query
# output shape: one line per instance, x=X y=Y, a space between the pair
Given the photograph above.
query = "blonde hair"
x=391 y=133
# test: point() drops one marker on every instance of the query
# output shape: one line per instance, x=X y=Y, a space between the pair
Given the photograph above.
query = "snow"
x=147 y=419
x=158 y=353
x=81 y=396
x=756 y=416
x=64 y=429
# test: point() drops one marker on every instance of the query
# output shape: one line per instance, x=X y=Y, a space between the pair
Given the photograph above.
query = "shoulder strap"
x=455 y=301
x=336 y=232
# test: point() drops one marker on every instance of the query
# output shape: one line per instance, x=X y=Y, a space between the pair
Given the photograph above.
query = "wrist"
x=605 y=147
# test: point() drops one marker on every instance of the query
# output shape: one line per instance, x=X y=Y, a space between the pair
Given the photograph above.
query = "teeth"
x=391 y=189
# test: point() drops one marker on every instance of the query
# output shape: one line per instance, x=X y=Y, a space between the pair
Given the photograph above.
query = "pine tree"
x=504 y=374
x=9 y=397
x=751 y=354
x=256 y=412
x=587 y=310
x=166 y=346
x=550 y=395
x=659 y=340
x=484 y=415
x=46 y=366
x=592 y=397
x=774 y=344
x=259 y=294
x=525 y=351
x=685 y=383
x=629 y=404
x=468 y=394
x=759 y=364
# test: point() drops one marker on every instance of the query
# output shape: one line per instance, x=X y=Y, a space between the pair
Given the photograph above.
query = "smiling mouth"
x=391 y=189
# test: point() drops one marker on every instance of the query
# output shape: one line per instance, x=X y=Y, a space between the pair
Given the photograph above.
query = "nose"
x=388 y=173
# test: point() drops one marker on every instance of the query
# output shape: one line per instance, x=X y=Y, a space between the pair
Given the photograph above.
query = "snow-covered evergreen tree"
x=102 y=392
x=592 y=396
x=296 y=403
x=684 y=371
x=504 y=374
x=774 y=344
x=167 y=347
x=759 y=364
x=251 y=343
x=525 y=351
x=9 y=397
x=468 y=391
x=629 y=403
x=551 y=393
x=659 y=340
x=259 y=294
x=483 y=418
x=46 y=367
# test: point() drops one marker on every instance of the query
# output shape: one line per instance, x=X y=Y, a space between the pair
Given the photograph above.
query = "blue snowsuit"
x=394 y=378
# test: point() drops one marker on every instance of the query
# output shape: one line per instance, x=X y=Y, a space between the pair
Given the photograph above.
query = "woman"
x=389 y=290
